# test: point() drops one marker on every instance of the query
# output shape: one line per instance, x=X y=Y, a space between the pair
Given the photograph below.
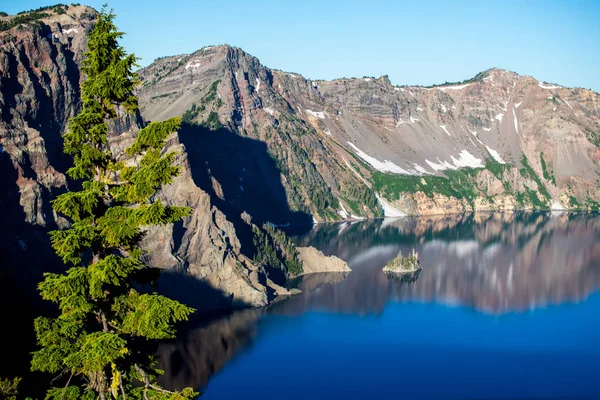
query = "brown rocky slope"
x=499 y=141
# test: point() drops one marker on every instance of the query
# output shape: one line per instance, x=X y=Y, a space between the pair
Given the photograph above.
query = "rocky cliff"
x=212 y=255
x=353 y=148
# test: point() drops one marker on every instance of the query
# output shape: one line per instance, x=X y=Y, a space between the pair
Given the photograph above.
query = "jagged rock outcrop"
x=499 y=141
x=315 y=261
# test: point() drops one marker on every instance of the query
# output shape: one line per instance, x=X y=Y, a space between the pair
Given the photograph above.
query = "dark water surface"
x=506 y=306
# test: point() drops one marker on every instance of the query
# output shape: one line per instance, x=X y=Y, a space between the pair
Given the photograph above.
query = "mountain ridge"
x=427 y=131
x=477 y=76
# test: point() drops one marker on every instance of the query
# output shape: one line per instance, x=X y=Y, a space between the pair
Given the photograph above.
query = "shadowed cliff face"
x=529 y=144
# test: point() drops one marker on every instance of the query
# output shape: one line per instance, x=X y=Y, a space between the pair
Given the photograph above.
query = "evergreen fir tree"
x=101 y=343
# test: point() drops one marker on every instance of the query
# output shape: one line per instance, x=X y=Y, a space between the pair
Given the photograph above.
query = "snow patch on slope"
x=457 y=87
x=517 y=105
x=540 y=84
x=354 y=171
x=445 y=130
x=383 y=166
x=495 y=155
x=499 y=117
x=516 y=122
x=440 y=165
x=316 y=114
x=388 y=209
x=556 y=206
x=467 y=159
x=193 y=64
x=257 y=85
x=269 y=110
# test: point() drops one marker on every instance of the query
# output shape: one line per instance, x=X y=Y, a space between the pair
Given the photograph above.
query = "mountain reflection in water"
x=492 y=263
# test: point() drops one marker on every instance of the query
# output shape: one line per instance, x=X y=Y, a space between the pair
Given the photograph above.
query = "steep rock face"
x=315 y=261
x=499 y=141
x=39 y=78
x=304 y=175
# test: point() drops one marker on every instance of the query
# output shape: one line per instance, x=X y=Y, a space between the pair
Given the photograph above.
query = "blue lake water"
x=506 y=307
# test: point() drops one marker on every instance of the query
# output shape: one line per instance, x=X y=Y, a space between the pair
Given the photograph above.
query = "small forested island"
x=401 y=265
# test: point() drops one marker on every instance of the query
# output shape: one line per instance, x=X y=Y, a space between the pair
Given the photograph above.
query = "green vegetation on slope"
x=548 y=174
x=593 y=137
x=462 y=184
x=528 y=172
x=191 y=114
x=458 y=184
x=276 y=250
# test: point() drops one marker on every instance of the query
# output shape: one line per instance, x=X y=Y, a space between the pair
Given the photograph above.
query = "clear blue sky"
x=414 y=42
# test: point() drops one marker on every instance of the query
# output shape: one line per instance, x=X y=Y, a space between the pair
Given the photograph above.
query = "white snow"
x=467 y=160
x=353 y=171
x=411 y=93
x=299 y=109
x=515 y=121
x=499 y=117
x=443 y=108
x=445 y=130
x=269 y=110
x=398 y=89
x=193 y=64
x=388 y=209
x=441 y=165
x=179 y=59
x=327 y=132
x=67 y=31
x=315 y=220
x=343 y=213
x=517 y=105
x=400 y=122
x=487 y=129
x=413 y=120
x=495 y=155
x=556 y=206
x=567 y=103
x=257 y=85
x=316 y=114
x=421 y=169
x=540 y=84
x=419 y=109
x=457 y=87
x=383 y=166
x=367 y=79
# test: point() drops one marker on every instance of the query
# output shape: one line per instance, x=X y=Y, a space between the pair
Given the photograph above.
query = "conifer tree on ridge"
x=101 y=342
